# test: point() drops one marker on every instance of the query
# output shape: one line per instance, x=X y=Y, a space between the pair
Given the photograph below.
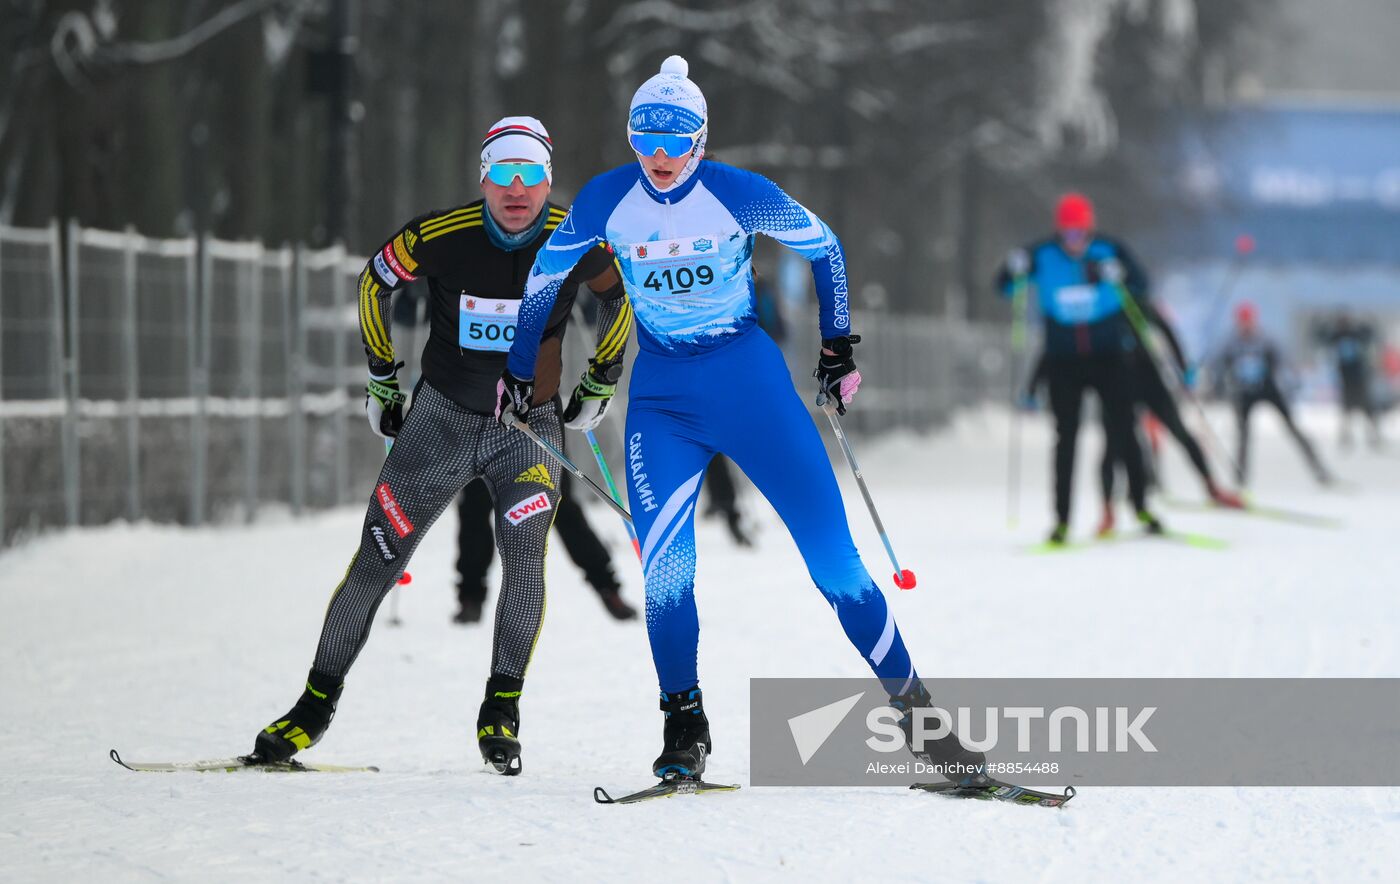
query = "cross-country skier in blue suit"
x=708 y=380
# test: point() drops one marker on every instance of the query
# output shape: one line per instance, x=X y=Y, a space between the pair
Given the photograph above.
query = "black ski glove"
x=836 y=372
x=513 y=395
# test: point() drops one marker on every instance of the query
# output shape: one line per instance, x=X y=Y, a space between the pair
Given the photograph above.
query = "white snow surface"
x=174 y=644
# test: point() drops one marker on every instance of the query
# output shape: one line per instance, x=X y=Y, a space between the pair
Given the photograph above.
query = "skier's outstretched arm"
x=763 y=207
x=1155 y=317
x=1015 y=269
x=386 y=271
x=1134 y=277
x=614 y=316
x=598 y=383
x=565 y=248
x=402 y=259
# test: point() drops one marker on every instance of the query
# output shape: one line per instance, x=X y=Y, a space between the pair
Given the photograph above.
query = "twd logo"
x=529 y=508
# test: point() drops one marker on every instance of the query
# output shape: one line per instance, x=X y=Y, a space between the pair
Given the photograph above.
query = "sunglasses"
x=674 y=146
x=529 y=174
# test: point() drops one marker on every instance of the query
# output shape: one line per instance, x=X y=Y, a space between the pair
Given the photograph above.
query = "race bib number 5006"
x=676 y=268
x=486 y=323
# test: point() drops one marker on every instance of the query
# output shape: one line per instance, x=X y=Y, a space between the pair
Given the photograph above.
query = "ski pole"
x=510 y=420
x=1149 y=344
x=1244 y=245
x=904 y=579
x=405 y=578
x=612 y=488
x=1013 y=445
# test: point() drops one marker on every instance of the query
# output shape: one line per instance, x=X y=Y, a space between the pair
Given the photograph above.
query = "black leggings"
x=442 y=447
x=1150 y=392
x=1356 y=396
x=1245 y=403
x=1068 y=378
x=475 y=549
x=719 y=484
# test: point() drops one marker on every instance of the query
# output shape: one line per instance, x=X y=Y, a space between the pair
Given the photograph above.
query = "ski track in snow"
x=179 y=644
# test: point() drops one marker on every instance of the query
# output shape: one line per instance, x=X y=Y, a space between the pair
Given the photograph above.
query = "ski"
x=664 y=789
x=1186 y=538
x=505 y=763
x=995 y=790
x=1192 y=539
x=1048 y=548
x=1273 y=513
x=237 y=763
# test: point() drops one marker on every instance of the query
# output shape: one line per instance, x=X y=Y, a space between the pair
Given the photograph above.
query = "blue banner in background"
x=1311 y=184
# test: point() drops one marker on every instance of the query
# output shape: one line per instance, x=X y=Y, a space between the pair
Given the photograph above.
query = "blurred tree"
x=930 y=134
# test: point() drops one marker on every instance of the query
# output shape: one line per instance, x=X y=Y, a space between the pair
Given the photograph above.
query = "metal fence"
x=192 y=381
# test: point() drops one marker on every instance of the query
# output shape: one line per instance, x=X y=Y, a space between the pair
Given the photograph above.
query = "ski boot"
x=498 y=724
x=469 y=605
x=686 y=734
x=1106 y=524
x=1224 y=499
x=305 y=725
x=1059 y=536
x=617 y=606
x=609 y=591
x=949 y=758
x=1150 y=523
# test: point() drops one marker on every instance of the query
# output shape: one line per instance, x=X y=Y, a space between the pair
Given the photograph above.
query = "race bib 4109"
x=676 y=268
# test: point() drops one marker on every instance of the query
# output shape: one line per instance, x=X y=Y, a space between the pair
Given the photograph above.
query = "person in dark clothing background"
x=1353 y=344
x=1080 y=278
x=1249 y=366
x=723 y=496
x=1150 y=393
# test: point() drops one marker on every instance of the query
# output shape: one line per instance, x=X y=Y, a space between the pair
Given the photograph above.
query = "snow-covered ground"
x=179 y=644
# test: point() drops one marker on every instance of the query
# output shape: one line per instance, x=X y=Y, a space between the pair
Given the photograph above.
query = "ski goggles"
x=529 y=174
x=673 y=145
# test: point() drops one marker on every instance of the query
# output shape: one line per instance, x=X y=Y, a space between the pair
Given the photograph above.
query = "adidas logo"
x=537 y=474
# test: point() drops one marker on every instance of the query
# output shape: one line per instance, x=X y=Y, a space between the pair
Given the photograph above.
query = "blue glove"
x=1188 y=377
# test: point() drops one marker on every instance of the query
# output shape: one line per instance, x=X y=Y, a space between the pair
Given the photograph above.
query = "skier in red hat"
x=1081 y=279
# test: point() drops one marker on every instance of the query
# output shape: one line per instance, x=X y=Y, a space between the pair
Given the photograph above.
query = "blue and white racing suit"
x=708 y=380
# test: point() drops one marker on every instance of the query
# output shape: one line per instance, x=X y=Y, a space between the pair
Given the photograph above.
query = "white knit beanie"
x=517 y=138
x=669 y=102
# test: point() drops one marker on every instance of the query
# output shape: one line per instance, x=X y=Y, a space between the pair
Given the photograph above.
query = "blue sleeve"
x=566 y=246
x=760 y=206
